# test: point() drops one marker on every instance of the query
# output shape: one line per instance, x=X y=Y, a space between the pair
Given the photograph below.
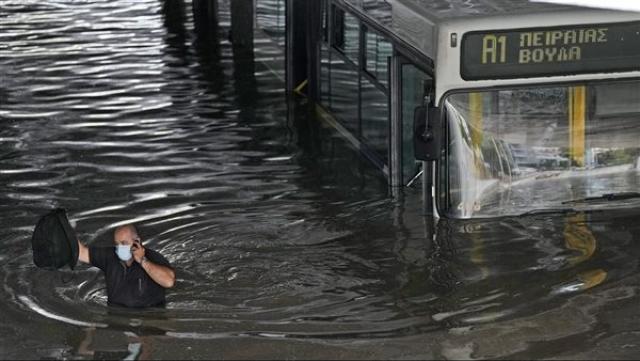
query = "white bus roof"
x=449 y=58
x=416 y=22
x=440 y=10
x=427 y=26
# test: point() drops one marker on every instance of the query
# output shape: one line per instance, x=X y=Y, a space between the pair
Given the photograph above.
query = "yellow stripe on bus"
x=577 y=119
x=476 y=110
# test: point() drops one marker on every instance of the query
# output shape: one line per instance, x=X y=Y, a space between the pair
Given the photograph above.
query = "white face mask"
x=123 y=252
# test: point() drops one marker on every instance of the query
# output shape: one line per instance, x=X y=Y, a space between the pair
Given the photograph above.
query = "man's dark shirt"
x=128 y=286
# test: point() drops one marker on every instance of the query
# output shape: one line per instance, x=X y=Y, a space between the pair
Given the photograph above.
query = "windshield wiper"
x=543 y=211
x=606 y=197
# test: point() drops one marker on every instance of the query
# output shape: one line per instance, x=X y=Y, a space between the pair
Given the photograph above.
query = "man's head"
x=126 y=235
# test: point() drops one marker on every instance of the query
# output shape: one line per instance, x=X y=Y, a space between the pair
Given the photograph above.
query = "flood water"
x=287 y=243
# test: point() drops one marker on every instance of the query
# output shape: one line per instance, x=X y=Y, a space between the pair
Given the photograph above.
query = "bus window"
x=343 y=92
x=377 y=54
x=518 y=150
x=619 y=99
x=346 y=34
x=375 y=119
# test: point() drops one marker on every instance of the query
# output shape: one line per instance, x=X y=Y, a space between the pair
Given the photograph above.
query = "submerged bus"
x=504 y=107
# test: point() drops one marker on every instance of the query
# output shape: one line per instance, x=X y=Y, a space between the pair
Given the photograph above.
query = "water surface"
x=286 y=242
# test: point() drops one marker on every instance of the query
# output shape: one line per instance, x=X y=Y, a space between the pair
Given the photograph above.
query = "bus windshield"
x=517 y=151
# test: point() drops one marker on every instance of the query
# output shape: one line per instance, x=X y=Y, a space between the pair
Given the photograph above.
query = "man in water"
x=135 y=276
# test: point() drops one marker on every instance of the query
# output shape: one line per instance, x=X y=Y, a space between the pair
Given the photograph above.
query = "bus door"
x=410 y=87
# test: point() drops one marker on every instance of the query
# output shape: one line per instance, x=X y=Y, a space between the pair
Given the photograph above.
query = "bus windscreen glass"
x=538 y=52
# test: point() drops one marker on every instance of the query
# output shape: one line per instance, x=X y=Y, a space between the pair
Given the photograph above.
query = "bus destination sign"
x=538 y=52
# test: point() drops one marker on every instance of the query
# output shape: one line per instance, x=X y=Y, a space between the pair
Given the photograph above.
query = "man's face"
x=125 y=237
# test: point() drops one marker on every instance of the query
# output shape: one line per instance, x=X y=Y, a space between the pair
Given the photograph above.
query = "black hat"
x=54 y=242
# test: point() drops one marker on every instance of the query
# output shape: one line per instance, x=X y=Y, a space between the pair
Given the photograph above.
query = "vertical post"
x=395 y=136
x=205 y=19
x=577 y=120
x=289 y=41
x=313 y=41
x=242 y=21
x=174 y=17
x=362 y=48
x=296 y=42
x=207 y=43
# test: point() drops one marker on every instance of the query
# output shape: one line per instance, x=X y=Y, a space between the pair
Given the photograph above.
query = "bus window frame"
x=442 y=165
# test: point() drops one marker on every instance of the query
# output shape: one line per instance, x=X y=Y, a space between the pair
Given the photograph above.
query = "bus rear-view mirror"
x=427 y=137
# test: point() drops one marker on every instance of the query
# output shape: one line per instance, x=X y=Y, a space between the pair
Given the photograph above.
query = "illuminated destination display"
x=535 y=52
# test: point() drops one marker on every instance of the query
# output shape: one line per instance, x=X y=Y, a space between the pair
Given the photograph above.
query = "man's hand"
x=162 y=275
x=138 y=251
x=83 y=253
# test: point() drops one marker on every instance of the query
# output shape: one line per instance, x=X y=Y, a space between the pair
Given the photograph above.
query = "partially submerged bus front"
x=537 y=113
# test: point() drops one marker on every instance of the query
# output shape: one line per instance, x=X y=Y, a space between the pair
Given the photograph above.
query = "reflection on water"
x=285 y=240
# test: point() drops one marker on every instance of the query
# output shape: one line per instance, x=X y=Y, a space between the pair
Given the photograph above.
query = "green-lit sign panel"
x=536 y=52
